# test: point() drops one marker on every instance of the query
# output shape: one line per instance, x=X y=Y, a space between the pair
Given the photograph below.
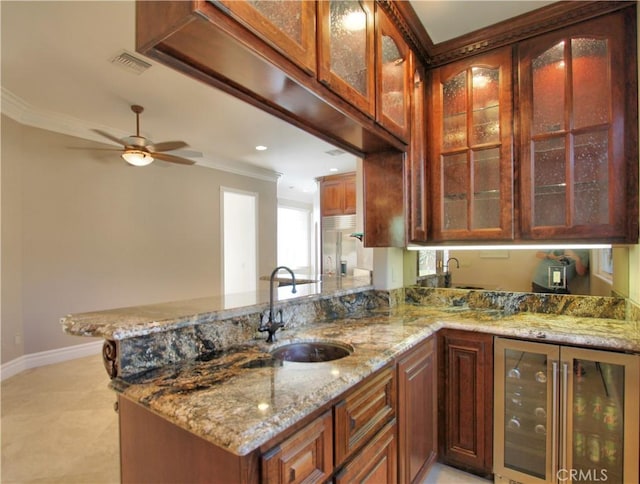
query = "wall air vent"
x=130 y=62
x=335 y=152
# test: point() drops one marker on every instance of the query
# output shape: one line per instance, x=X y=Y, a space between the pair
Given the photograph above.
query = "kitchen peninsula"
x=209 y=373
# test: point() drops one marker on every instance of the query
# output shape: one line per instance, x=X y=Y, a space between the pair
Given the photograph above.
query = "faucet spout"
x=272 y=325
x=447 y=273
x=450 y=259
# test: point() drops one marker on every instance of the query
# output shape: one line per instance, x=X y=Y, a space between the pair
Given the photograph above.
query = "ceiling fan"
x=139 y=151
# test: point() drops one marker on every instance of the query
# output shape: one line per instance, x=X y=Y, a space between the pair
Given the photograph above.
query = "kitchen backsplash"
x=515 y=302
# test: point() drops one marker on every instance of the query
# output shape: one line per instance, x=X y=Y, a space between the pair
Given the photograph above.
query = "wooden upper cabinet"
x=416 y=171
x=471 y=148
x=346 y=51
x=338 y=195
x=288 y=26
x=393 y=77
x=578 y=105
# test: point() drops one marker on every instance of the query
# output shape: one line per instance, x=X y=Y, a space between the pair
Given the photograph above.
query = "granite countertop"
x=129 y=322
x=240 y=398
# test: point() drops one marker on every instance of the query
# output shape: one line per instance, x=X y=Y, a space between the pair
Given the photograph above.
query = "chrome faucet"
x=272 y=325
x=447 y=274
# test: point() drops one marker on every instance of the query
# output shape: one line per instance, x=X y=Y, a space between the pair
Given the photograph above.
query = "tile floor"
x=58 y=426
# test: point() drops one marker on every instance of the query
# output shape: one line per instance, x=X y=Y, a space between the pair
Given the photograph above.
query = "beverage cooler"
x=564 y=414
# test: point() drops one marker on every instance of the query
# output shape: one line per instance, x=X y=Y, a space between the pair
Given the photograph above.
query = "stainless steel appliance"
x=564 y=414
x=338 y=246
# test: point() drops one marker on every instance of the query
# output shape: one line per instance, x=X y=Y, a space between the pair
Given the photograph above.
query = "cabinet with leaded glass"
x=578 y=144
x=471 y=149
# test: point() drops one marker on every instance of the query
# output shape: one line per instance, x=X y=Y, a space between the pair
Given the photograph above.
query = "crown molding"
x=24 y=113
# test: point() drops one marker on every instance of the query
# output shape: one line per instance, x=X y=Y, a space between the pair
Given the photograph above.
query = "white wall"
x=83 y=231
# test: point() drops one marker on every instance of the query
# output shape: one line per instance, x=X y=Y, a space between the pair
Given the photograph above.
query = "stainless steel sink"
x=312 y=352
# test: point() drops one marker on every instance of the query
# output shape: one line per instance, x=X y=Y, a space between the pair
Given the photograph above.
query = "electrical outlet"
x=558 y=277
x=17 y=339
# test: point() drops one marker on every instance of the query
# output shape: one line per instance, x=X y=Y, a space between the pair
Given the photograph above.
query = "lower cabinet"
x=465 y=400
x=363 y=436
x=417 y=412
x=363 y=412
x=306 y=456
x=376 y=462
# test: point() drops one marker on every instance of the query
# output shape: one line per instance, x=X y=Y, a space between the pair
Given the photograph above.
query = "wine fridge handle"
x=554 y=422
x=565 y=404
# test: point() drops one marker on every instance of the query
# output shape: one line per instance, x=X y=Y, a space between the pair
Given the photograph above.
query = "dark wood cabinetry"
x=465 y=400
x=416 y=179
x=306 y=456
x=471 y=149
x=578 y=106
x=393 y=75
x=417 y=412
x=363 y=412
x=290 y=27
x=338 y=194
x=346 y=51
x=376 y=463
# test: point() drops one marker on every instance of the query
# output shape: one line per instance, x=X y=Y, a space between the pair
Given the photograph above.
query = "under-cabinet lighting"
x=261 y=148
x=263 y=406
x=510 y=247
x=137 y=157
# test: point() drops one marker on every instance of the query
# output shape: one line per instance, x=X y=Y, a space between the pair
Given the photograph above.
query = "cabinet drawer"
x=306 y=456
x=376 y=463
x=363 y=413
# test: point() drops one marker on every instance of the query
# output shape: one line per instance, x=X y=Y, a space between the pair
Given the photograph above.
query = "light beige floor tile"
x=58 y=426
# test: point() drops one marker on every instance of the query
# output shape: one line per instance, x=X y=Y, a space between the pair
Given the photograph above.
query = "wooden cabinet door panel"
x=363 y=413
x=466 y=400
x=346 y=51
x=417 y=411
x=472 y=179
x=376 y=463
x=393 y=73
x=290 y=27
x=416 y=173
x=350 y=196
x=578 y=124
x=306 y=456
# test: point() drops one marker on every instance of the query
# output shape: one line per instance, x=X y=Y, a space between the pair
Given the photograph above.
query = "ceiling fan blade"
x=108 y=136
x=89 y=148
x=171 y=158
x=168 y=146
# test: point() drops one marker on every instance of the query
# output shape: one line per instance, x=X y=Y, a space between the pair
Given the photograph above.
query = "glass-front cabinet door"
x=394 y=76
x=526 y=411
x=471 y=125
x=346 y=51
x=572 y=125
x=601 y=421
x=288 y=26
x=417 y=157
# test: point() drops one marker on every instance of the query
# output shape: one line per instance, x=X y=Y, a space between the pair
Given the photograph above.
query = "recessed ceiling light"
x=261 y=148
x=333 y=169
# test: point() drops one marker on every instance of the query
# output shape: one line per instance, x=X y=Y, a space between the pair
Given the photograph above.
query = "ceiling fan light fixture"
x=137 y=157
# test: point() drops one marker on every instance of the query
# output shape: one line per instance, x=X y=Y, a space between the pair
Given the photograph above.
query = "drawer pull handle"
x=292 y=475
x=352 y=423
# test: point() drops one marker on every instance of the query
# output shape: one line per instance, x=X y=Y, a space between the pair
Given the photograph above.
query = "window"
x=294 y=238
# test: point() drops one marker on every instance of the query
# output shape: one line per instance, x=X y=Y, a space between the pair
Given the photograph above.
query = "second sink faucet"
x=272 y=325
x=447 y=273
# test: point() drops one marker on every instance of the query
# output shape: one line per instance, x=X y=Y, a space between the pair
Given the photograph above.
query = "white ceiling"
x=57 y=74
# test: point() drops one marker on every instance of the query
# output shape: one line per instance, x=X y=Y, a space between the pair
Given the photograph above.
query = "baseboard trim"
x=33 y=360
